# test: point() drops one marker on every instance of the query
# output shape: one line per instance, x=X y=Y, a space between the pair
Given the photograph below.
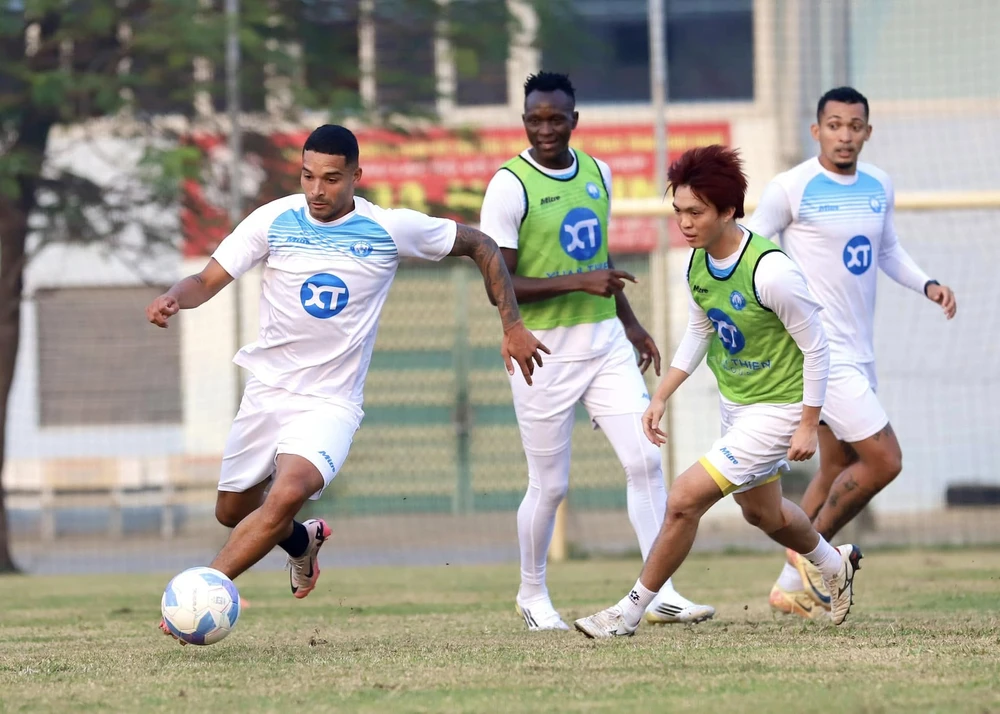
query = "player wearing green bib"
x=547 y=209
x=751 y=311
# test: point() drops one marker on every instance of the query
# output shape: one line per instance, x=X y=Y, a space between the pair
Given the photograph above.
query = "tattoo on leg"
x=885 y=431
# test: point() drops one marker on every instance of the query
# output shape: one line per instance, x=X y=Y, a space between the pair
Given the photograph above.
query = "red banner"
x=441 y=172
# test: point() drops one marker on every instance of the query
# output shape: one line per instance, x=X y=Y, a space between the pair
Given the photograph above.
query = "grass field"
x=924 y=636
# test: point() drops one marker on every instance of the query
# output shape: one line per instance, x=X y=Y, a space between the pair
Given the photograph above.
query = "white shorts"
x=754 y=445
x=273 y=421
x=851 y=409
x=609 y=384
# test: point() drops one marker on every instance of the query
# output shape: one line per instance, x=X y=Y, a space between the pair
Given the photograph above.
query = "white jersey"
x=839 y=230
x=500 y=218
x=323 y=288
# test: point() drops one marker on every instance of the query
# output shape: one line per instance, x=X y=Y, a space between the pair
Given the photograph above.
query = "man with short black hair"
x=833 y=215
x=329 y=259
x=548 y=210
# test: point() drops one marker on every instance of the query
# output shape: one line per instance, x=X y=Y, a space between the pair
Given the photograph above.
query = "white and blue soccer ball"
x=200 y=606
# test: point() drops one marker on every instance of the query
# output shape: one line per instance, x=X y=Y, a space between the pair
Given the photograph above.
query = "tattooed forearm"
x=485 y=253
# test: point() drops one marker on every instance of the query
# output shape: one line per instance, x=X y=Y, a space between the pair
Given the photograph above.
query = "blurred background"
x=133 y=134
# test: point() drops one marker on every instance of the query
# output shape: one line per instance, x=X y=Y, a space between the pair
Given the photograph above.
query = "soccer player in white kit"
x=751 y=312
x=329 y=259
x=833 y=215
x=548 y=210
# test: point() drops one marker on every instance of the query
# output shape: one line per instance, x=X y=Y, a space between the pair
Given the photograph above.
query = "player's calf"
x=880 y=462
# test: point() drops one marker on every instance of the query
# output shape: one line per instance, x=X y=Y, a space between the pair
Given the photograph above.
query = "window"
x=101 y=362
x=480 y=42
x=328 y=33
x=405 y=69
x=604 y=46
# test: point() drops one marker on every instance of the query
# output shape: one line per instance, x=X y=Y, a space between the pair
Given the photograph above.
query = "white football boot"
x=303 y=572
x=540 y=615
x=605 y=624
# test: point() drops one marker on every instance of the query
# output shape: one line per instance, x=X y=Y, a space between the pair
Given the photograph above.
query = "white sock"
x=530 y=593
x=635 y=603
x=826 y=558
x=790 y=580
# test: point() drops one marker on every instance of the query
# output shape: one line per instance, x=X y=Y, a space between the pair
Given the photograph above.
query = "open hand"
x=651 y=422
x=520 y=346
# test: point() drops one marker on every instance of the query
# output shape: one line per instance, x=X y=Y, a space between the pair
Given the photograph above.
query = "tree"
x=125 y=66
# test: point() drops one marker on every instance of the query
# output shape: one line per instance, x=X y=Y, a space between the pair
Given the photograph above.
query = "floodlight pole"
x=659 y=259
x=235 y=211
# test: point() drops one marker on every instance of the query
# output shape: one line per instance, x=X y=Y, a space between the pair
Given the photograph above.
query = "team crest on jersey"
x=875 y=203
x=580 y=236
x=729 y=334
x=324 y=295
x=592 y=190
x=362 y=249
x=737 y=300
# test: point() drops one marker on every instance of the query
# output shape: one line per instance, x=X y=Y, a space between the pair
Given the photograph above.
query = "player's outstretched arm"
x=603 y=283
x=519 y=344
x=190 y=292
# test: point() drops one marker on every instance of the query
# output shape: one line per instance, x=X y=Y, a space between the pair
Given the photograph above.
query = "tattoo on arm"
x=485 y=253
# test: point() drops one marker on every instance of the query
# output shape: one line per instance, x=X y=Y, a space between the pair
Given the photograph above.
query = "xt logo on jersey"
x=858 y=254
x=580 y=235
x=324 y=295
x=729 y=334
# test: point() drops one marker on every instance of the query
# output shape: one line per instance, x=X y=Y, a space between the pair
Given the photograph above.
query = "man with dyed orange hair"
x=751 y=311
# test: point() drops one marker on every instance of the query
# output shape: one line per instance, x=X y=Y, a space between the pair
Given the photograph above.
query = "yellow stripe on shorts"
x=721 y=481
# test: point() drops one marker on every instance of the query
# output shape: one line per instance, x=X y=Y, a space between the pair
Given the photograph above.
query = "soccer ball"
x=200 y=606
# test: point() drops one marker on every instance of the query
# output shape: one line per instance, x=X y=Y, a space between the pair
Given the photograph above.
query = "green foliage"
x=127 y=62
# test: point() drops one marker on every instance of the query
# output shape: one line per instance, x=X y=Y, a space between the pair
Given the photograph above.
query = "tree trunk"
x=33 y=138
x=13 y=235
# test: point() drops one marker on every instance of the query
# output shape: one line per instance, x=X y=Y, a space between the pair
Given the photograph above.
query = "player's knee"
x=290 y=492
x=887 y=462
x=768 y=520
x=554 y=490
x=893 y=461
x=752 y=515
x=683 y=507
x=227 y=515
x=643 y=465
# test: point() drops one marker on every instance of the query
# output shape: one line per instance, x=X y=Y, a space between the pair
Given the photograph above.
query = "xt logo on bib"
x=729 y=334
x=858 y=254
x=324 y=295
x=580 y=235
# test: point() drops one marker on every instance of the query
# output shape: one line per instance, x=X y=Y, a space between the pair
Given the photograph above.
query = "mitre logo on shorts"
x=580 y=235
x=324 y=295
x=729 y=334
